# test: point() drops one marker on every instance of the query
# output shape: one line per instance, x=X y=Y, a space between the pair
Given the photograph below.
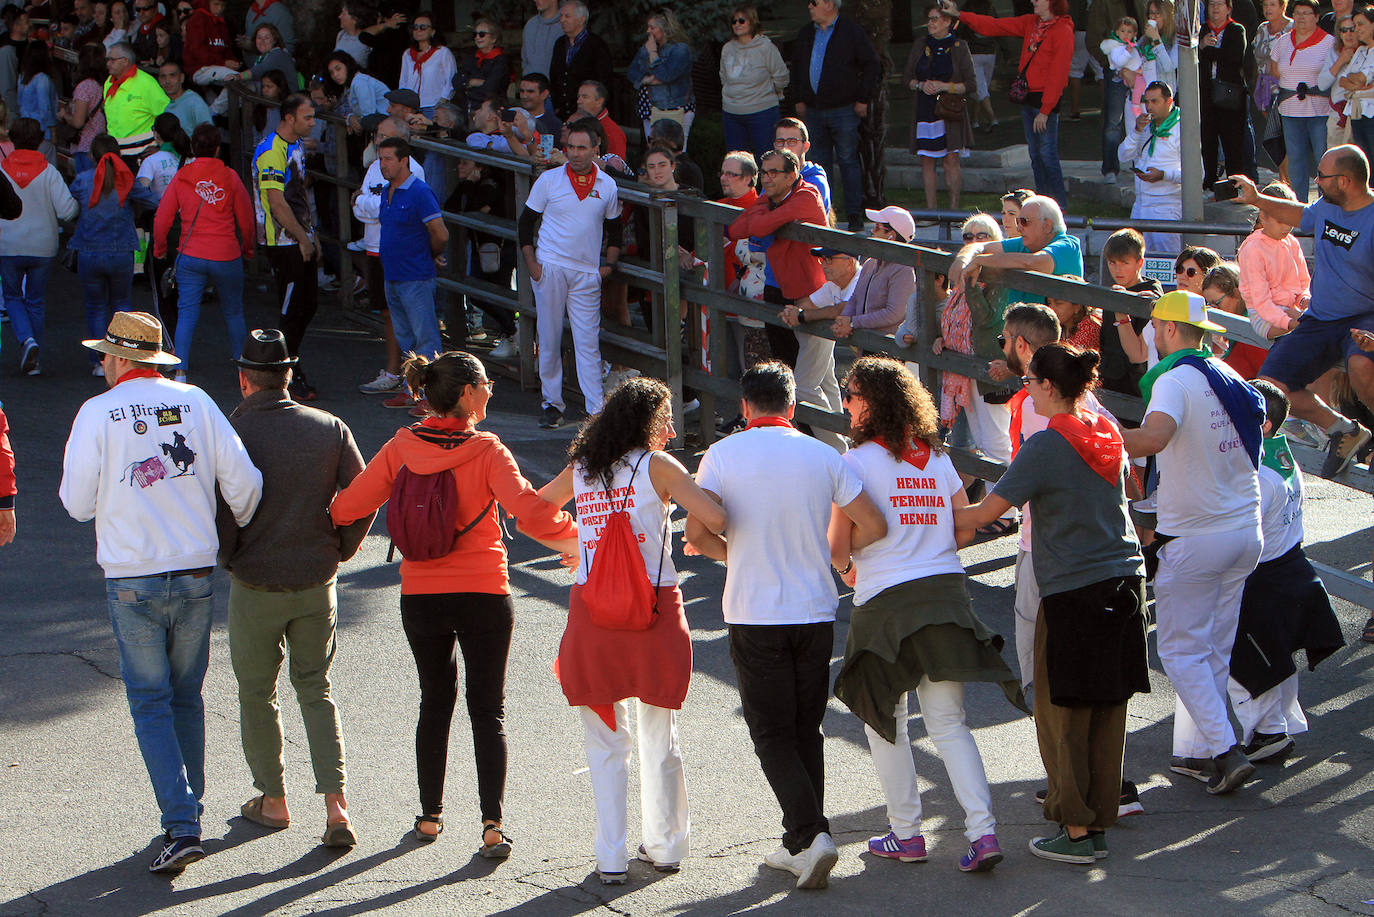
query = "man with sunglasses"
x=144 y=38
x=1342 y=222
x=1045 y=246
x=1151 y=151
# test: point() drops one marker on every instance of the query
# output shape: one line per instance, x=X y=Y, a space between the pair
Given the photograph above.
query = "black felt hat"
x=265 y=349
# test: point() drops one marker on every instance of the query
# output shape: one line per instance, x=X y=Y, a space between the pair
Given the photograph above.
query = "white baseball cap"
x=897 y=218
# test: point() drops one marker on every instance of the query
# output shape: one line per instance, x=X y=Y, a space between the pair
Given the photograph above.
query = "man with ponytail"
x=1204 y=423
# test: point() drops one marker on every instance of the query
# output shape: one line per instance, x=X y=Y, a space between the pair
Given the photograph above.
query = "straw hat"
x=135 y=336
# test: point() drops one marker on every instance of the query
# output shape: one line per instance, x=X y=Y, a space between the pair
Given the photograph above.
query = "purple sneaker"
x=889 y=845
x=983 y=854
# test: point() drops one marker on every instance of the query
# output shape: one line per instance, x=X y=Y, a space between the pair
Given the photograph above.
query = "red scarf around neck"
x=24 y=166
x=129 y=74
x=146 y=28
x=418 y=60
x=139 y=372
x=768 y=422
x=1317 y=35
x=581 y=184
x=1096 y=440
x=916 y=454
x=493 y=54
x=257 y=9
x=124 y=179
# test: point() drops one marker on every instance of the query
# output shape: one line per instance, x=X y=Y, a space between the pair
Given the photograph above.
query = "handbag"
x=489 y=257
x=950 y=106
x=1228 y=96
x=1019 y=91
x=168 y=284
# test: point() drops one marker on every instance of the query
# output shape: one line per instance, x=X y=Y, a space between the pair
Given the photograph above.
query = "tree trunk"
x=876 y=18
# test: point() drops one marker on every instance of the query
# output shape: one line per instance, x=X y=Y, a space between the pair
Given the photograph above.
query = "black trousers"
x=1233 y=132
x=480 y=624
x=783 y=671
x=298 y=291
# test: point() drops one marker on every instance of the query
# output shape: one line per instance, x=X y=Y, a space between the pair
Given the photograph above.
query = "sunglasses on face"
x=1002 y=341
x=739 y=21
x=1347 y=28
x=482 y=33
x=1023 y=222
x=848 y=393
x=977 y=236
x=1187 y=271
x=1027 y=380
x=1215 y=303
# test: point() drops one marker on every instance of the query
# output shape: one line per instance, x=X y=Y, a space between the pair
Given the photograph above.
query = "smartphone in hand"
x=1226 y=190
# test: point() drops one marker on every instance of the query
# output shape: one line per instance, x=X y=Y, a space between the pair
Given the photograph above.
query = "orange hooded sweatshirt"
x=484 y=469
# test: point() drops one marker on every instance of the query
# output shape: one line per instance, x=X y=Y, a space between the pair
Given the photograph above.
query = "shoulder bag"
x=168 y=284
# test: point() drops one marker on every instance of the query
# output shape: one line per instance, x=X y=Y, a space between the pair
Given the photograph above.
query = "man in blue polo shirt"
x=1045 y=246
x=412 y=247
x=1342 y=224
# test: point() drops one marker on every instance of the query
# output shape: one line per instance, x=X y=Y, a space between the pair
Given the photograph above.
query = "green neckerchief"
x=1146 y=47
x=166 y=148
x=1162 y=130
x=1275 y=454
x=1165 y=364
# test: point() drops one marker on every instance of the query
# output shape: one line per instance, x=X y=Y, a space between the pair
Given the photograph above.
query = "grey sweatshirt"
x=752 y=76
x=46 y=202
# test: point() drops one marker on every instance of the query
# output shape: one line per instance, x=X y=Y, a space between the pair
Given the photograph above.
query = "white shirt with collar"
x=830 y=294
x=1165 y=157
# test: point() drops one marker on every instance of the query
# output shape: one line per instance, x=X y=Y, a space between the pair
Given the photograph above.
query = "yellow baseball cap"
x=1187 y=308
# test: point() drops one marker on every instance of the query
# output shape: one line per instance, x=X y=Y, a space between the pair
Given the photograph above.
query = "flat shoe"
x=339 y=834
x=252 y=810
x=421 y=836
x=497 y=851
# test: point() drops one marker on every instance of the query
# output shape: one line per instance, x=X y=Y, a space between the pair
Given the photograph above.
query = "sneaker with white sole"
x=28 y=359
x=1340 y=451
x=1130 y=801
x=505 y=349
x=783 y=860
x=816 y=861
x=1063 y=849
x=644 y=856
x=177 y=853
x=1197 y=768
x=385 y=384
x=1266 y=745
x=910 y=850
x=1230 y=770
x=611 y=878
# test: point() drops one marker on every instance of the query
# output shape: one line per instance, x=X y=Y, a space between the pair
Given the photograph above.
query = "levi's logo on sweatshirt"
x=1339 y=235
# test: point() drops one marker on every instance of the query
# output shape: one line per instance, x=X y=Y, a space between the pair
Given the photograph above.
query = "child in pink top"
x=1274 y=280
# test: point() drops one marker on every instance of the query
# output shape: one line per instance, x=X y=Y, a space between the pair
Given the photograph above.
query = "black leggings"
x=480 y=623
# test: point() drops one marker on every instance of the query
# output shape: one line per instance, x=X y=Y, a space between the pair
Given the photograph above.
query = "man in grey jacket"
x=282 y=566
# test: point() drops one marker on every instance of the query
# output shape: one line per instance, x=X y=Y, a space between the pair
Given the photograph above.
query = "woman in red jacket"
x=1046 y=52
x=206 y=40
x=463 y=596
x=217 y=233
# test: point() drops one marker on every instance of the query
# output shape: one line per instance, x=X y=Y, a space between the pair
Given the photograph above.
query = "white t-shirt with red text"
x=918 y=506
x=632 y=491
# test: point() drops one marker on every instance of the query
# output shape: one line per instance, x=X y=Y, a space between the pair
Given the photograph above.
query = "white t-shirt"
x=1206 y=482
x=831 y=294
x=648 y=515
x=570 y=234
x=158 y=169
x=1280 y=513
x=918 y=505
x=1032 y=422
x=777 y=486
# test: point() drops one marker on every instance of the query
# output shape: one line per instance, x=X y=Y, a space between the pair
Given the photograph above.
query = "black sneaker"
x=1266 y=745
x=551 y=419
x=1230 y=770
x=302 y=391
x=1197 y=768
x=1041 y=796
x=177 y=853
x=1130 y=801
x=1341 y=450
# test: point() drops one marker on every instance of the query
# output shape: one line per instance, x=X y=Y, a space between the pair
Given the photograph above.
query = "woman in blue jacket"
x=662 y=71
x=105 y=238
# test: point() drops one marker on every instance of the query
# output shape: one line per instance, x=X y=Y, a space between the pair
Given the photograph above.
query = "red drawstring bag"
x=618 y=594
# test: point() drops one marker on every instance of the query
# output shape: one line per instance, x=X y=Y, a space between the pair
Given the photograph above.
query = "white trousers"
x=816 y=382
x=1027 y=609
x=1197 y=603
x=1274 y=712
x=1160 y=207
x=665 y=827
x=577 y=294
x=942 y=708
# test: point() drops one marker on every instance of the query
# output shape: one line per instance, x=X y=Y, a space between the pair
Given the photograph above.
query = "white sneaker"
x=1109 y=178
x=816 y=862
x=506 y=349
x=781 y=859
x=357 y=245
x=383 y=384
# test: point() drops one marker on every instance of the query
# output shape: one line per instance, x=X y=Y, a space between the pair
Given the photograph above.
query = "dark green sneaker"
x=1064 y=849
x=1099 y=839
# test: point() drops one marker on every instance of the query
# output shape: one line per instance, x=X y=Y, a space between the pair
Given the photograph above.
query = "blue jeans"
x=1114 y=95
x=835 y=137
x=107 y=280
x=1305 y=140
x=411 y=303
x=193 y=276
x=1044 y=155
x=162 y=625
x=751 y=132
x=24 y=279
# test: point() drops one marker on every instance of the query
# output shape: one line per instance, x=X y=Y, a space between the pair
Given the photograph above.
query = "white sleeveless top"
x=648 y=514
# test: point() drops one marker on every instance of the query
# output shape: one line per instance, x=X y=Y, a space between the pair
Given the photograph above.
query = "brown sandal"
x=339 y=834
x=252 y=810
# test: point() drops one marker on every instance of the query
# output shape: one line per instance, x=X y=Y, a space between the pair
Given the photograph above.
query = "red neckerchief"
x=115 y=84
x=1216 y=33
x=140 y=372
x=418 y=60
x=24 y=166
x=581 y=184
x=1315 y=38
x=485 y=56
x=124 y=179
x=1096 y=440
x=769 y=422
x=257 y=9
x=1017 y=406
x=1042 y=28
x=916 y=454
x=744 y=200
x=146 y=29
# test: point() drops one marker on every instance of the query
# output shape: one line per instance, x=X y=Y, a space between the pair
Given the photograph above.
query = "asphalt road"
x=78 y=822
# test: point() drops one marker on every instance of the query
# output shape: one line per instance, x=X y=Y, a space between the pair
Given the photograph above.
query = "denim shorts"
x=1298 y=358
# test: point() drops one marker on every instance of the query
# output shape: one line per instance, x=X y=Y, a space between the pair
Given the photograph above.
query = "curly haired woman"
x=913 y=627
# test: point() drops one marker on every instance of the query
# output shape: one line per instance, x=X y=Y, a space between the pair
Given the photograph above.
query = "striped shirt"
x=279 y=166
